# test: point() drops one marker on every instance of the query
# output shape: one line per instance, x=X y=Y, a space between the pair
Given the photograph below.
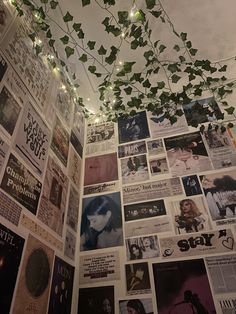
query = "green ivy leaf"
x=91 y=44
x=121 y=73
x=202 y=128
x=161 y=85
x=175 y=78
x=193 y=51
x=183 y=36
x=49 y=34
x=140 y=16
x=113 y=55
x=77 y=26
x=230 y=110
x=162 y=48
x=83 y=58
x=38 y=49
x=146 y=83
x=62 y=63
x=173 y=67
x=109 y=2
x=179 y=112
x=150 y=4
x=156 y=70
x=80 y=34
x=136 y=77
x=44 y=1
x=189 y=44
x=92 y=68
x=223 y=68
x=68 y=17
x=173 y=119
x=230 y=125
x=148 y=54
x=69 y=51
x=156 y=13
x=191 y=77
x=85 y=2
x=198 y=92
x=182 y=59
x=123 y=17
x=128 y=90
x=176 y=47
x=64 y=39
x=134 y=44
x=32 y=36
x=128 y=66
x=53 y=4
x=102 y=51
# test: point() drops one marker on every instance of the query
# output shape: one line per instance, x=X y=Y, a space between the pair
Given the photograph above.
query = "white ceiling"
x=210 y=25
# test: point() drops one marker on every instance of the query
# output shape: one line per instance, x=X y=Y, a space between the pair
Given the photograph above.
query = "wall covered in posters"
x=133 y=217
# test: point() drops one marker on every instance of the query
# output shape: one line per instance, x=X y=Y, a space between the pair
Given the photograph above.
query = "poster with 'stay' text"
x=32 y=140
x=221 y=241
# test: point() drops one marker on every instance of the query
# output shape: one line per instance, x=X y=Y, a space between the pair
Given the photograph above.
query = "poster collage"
x=41 y=147
x=150 y=227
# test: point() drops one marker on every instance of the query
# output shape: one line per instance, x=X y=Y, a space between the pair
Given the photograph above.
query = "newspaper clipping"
x=142 y=247
x=21 y=184
x=161 y=126
x=220 y=148
x=32 y=140
x=74 y=171
x=64 y=106
x=132 y=149
x=220 y=192
x=70 y=244
x=60 y=141
x=134 y=169
x=9 y=209
x=99 y=267
x=158 y=166
x=100 y=138
x=3 y=152
x=187 y=154
x=220 y=241
x=78 y=127
x=155 y=147
x=222 y=272
x=152 y=190
x=137 y=278
x=100 y=188
x=53 y=201
x=3 y=66
x=73 y=209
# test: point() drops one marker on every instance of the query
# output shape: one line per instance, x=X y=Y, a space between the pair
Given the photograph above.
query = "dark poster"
x=61 y=288
x=20 y=184
x=182 y=287
x=133 y=128
x=137 y=278
x=11 y=246
x=3 y=67
x=97 y=300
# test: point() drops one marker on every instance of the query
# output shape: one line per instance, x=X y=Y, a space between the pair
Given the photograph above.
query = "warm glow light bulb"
x=88 y=99
x=120 y=62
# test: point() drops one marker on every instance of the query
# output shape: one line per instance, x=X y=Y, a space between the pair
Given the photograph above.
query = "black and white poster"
x=21 y=184
x=132 y=149
x=32 y=139
x=134 y=169
x=137 y=278
x=3 y=151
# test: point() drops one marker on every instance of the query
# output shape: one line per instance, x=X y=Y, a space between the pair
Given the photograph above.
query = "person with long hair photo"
x=191 y=219
x=101 y=224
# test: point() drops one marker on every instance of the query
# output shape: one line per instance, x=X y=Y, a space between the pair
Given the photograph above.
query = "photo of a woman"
x=101 y=224
x=136 y=306
x=191 y=218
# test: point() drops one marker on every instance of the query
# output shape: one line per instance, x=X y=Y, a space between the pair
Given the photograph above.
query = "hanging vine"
x=123 y=89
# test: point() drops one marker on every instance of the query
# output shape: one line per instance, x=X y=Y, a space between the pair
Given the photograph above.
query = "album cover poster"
x=32 y=139
x=104 y=228
x=53 y=201
x=189 y=215
x=74 y=169
x=155 y=147
x=11 y=247
x=20 y=184
x=220 y=148
x=134 y=169
x=3 y=151
x=144 y=210
x=78 y=125
x=70 y=244
x=9 y=110
x=3 y=66
x=33 y=287
x=73 y=209
x=133 y=128
x=31 y=68
x=141 y=305
x=137 y=278
x=201 y=111
x=191 y=185
x=142 y=247
x=61 y=288
x=64 y=105
x=158 y=166
x=161 y=126
x=220 y=192
x=96 y=300
x=132 y=149
x=182 y=287
x=99 y=169
x=60 y=141
x=187 y=154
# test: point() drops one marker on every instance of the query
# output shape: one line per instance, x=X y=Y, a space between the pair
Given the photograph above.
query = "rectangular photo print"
x=142 y=247
x=101 y=223
x=136 y=306
x=96 y=300
x=189 y=215
x=133 y=128
x=137 y=278
x=182 y=287
x=144 y=210
x=155 y=147
x=220 y=192
x=134 y=169
x=132 y=149
x=191 y=185
x=158 y=166
x=187 y=154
